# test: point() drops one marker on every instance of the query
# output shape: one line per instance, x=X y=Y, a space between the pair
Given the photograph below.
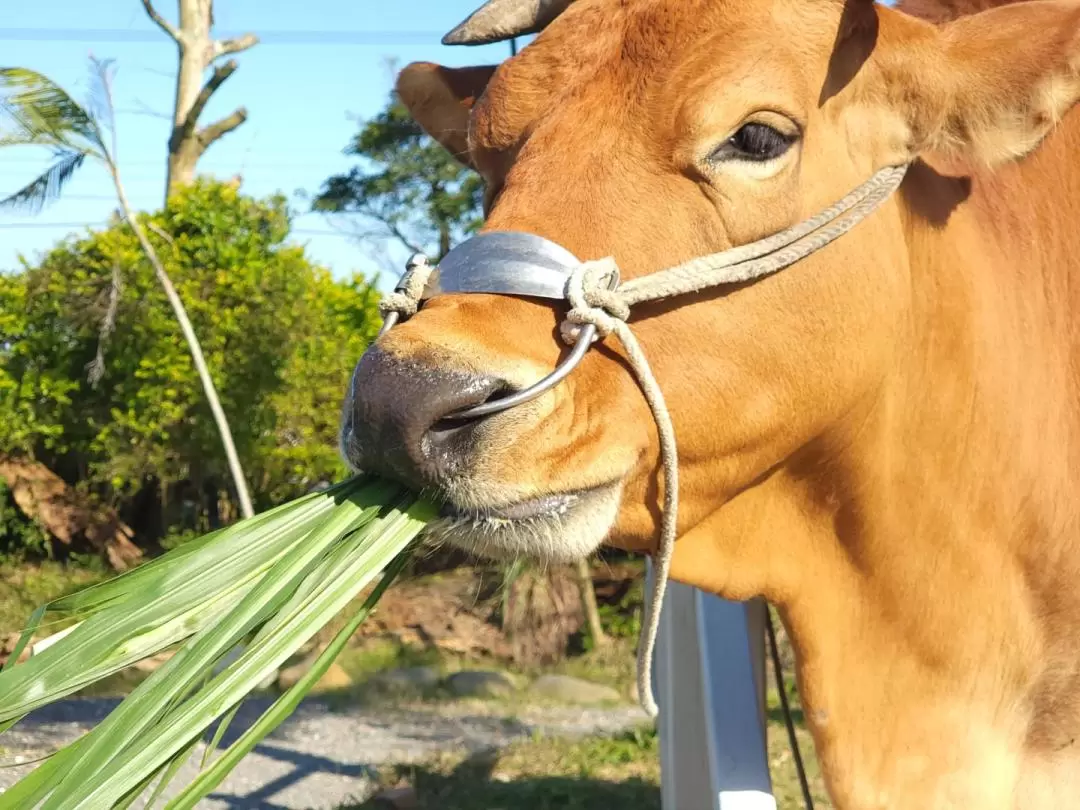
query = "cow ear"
x=440 y=99
x=987 y=87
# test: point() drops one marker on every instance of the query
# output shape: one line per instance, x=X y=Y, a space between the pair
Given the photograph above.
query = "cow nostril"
x=445 y=432
x=452 y=437
x=451 y=424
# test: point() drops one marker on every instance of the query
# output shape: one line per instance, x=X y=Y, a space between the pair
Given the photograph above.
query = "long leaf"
x=271 y=582
x=237 y=538
x=120 y=732
x=46 y=187
x=284 y=706
x=99 y=782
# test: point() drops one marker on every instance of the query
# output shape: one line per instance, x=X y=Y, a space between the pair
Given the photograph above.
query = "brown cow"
x=883 y=439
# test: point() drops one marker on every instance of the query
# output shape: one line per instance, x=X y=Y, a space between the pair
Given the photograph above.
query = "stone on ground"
x=481 y=683
x=408 y=679
x=573 y=690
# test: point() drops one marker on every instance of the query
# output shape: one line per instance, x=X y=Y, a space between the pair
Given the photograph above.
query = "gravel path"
x=323 y=755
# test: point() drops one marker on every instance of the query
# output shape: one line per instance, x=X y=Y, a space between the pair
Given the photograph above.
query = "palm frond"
x=37 y=110
x=46 y=187
x=101 y=105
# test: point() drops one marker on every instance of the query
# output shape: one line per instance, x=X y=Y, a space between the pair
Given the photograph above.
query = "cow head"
x=654 y=131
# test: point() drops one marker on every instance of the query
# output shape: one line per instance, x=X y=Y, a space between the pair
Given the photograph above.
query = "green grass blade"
x=100 y=782
x=125 y=584
x=219 y=732
x=220 y=547
x=284 y=706
x=271 y=582
x=169 y=773
x=36 y=785
x=130 y=582
x=134 y=794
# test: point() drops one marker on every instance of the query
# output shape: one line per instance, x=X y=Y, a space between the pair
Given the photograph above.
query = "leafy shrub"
x=280 y=335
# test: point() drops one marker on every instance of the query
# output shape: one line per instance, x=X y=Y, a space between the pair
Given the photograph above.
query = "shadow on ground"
x=475 y=785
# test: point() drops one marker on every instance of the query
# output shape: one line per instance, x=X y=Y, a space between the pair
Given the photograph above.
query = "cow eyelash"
x=755 y=142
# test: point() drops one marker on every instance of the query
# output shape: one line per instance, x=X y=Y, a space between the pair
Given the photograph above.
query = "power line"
x=13 y=225
x=42 y=225
x=308 y=37
x=222 y=163
x=11 y=164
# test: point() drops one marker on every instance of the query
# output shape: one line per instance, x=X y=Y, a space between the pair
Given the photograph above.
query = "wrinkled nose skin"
x=396 y=423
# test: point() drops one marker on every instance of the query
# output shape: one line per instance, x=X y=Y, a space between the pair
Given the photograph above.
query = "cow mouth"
x=558 y=527
x=547 y=506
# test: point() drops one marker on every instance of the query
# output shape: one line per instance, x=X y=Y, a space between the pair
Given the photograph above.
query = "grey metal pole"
x=710 y=686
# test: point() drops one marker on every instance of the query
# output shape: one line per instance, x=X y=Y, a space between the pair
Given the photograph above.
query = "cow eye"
x=754 y=141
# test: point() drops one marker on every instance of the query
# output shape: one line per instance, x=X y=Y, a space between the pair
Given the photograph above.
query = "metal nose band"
x=504 y=263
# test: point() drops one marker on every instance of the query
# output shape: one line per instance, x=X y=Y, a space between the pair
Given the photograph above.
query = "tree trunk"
x=196 y=51
x=43 y=496
x=588 y=603
x=193 y=345
x=444 y=239
x=542 y=612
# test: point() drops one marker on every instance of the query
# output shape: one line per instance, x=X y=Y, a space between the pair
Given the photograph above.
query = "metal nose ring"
x=585 y=338
x=506 y=263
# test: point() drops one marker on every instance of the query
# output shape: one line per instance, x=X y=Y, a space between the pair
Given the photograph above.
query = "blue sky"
x=322 y=65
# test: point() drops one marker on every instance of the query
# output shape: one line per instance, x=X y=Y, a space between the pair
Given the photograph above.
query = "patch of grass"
x=623 y=619
x=23 y=588
x=596 y=772
x=364 y=661
x=543 y=774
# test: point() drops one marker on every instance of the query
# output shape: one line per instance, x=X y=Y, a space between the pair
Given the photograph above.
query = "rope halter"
x=522 y=264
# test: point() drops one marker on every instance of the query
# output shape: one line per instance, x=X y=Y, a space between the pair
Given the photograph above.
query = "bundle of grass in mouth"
x=269 y=583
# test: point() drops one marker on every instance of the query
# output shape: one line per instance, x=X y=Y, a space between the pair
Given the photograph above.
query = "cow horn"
x=499 y=20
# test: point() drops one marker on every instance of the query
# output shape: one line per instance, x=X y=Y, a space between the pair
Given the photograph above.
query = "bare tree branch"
x=142 y=108
x=384 y=228
x=193 y=344
x=161 y=22
x=398 y=234
x=162 y=233
x=223 y=47
x=208 y=134
x=182 y=133
x=96 y=367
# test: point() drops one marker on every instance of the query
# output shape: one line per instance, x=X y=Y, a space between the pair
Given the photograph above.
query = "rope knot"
x=594 y=299
x=405 y=300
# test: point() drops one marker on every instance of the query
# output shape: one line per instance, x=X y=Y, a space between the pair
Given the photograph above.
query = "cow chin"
x=558 y=528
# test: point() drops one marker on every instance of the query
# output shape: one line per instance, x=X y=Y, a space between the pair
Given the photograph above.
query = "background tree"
x=407 y=188
x=280 y=336
x=37 y=111
x=197 y=50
